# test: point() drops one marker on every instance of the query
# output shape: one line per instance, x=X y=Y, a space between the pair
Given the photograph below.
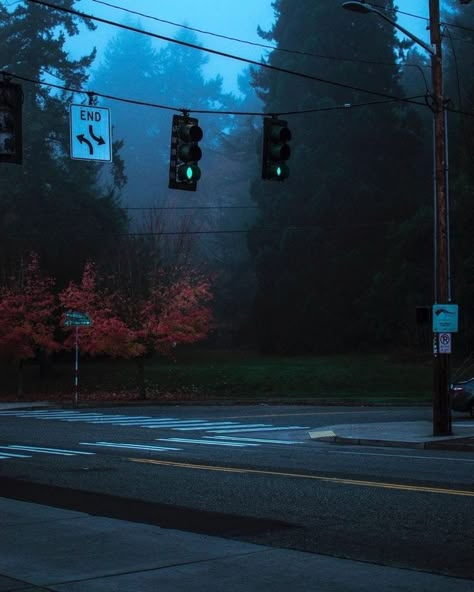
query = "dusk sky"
x=223 y=18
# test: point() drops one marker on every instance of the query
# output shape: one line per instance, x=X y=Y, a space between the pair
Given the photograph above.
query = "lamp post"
x=441 y=406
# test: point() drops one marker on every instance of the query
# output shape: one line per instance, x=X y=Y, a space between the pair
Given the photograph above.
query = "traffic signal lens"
x=280 y=152
x=190 y=133
x=280 y=134
x=280 y=171
x=189 y=172
x=190 y=152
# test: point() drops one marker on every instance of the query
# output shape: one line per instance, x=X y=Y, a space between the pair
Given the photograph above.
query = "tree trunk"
x=45 y=364
x=140 y=365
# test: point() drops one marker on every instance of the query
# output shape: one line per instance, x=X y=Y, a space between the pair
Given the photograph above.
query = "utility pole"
x=441 y=404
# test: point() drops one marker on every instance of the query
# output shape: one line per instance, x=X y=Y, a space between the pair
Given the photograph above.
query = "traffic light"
x=11 y=145
x=185 y=153
x=276 y=150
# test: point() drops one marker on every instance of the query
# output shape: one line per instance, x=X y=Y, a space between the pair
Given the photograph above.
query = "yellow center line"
x=359 y=482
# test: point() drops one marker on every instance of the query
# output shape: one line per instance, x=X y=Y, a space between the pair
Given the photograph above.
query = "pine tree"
x=323 y=243
x=56 y=206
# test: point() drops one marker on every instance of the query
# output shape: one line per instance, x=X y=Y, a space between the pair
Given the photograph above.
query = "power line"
x=206 y=111
x=417 y=16
x=345 y=106
x=255 y=44
x=221 y=53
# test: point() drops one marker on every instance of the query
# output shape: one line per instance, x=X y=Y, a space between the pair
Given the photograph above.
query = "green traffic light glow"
x=189 y=173
x=278 y=171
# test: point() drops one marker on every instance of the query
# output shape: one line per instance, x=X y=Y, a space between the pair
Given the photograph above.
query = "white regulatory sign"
x=90 y=133
x=444 y=343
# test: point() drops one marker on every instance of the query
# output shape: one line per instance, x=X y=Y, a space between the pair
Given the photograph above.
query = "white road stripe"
x=164 y=422
x=7 y=455
x=237 y=427
x=49 y=415
x=259 y=440
x=134 y=446
x=117 y=418
x=58 y=451
x=83 y=417
x=203 y=425
x=208 y=442
x=262 y=429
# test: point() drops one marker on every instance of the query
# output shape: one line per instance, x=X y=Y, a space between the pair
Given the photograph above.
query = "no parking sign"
x=444 y=343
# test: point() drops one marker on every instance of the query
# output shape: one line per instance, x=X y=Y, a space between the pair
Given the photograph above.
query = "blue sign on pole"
x=445 y=318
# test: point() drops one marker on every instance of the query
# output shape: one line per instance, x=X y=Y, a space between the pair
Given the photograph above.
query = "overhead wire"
x=255 y=44
x=205 y=111
x=417 y=16
x=221 y=53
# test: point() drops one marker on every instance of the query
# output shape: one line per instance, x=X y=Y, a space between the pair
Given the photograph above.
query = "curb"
x=331 y=437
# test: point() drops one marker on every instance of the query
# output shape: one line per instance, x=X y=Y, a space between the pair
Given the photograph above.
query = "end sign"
x=90 y=133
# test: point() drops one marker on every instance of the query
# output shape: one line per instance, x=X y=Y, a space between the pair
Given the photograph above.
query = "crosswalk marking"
x=258 y=440
x=41 y=449
x=116 y=419
x=134 y=446
x=201 y=425
x=244 y=428
x=4 y=455
x=208 y=442
x=143 y=421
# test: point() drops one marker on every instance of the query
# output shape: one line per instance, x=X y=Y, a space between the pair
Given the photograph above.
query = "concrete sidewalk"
x=44 y=548
x=407 y=434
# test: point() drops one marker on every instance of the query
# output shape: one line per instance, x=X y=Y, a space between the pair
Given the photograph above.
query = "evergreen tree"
x=172 y=75
x=333 y=266
x=458 y=58
x=58 y=207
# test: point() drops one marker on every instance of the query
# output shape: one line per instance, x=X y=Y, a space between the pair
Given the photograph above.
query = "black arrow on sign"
x=83 y=140
x=100 y=140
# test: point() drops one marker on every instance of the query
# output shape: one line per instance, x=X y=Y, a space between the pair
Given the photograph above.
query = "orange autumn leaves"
x=174 y=310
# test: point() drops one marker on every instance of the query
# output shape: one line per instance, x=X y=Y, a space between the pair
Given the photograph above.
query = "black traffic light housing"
x=11 y=141
x=276 y=150
x=185 y=153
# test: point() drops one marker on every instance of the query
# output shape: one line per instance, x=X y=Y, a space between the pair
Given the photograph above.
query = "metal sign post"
x=76 y=319
x=76 y=368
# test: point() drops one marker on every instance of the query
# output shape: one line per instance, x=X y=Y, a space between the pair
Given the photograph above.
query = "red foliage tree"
x=28 y=315
x=126 y=325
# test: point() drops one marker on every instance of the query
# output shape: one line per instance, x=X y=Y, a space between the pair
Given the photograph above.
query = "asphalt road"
x=251 y=473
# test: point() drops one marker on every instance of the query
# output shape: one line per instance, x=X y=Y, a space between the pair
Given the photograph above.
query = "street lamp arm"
x=364 y=8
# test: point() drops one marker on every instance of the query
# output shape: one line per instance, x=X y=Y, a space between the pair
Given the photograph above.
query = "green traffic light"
x=189 y=173
x=279 y=171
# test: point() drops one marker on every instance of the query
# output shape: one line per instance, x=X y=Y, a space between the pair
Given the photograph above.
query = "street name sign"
x=90 y=135
x=445 y=318
x=75 y=318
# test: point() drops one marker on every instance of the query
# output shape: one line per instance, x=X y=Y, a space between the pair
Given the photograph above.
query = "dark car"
x=462 y=396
